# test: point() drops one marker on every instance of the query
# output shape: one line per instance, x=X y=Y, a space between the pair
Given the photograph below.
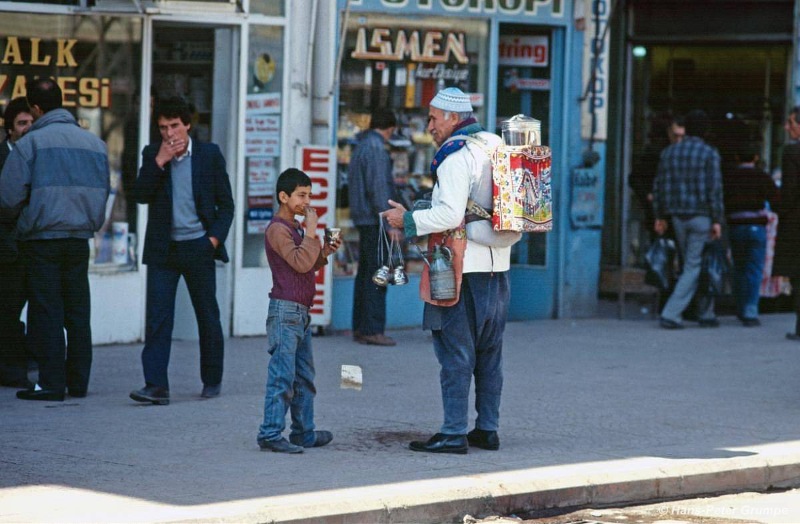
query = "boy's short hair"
x=13 y=109
x=173 y=107
x=290 y=180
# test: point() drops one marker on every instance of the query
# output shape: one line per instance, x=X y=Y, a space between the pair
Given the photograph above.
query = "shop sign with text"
x=526 y=51
x=319 y=162
x=24 y=58
x=436 y=47
x=554 y=8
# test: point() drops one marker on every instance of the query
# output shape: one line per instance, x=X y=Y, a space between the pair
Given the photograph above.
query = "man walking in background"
x=55 y=183
x=370 y=186
x=688 y=190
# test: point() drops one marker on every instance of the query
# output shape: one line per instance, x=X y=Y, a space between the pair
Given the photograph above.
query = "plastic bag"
x=660 y=263
x=714 y=269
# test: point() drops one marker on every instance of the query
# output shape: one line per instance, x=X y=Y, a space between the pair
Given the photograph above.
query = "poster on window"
x=262 y=174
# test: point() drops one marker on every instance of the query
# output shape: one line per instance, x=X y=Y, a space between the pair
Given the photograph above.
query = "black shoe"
x=279 y=446
x=442 y=443
x=156 y=395
x=320 y=439
x=669 y=324
x=708 y=323
x=792 y=336
x=42 y=394
x=750 y=322
x=483 y=439
x=76 y=393
x=211 y=391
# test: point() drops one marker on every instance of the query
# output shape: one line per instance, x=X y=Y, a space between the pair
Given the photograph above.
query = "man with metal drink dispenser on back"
x=468 y=328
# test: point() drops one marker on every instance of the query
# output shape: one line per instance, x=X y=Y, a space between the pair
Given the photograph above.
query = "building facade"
x=735 y=59
x=279 y=84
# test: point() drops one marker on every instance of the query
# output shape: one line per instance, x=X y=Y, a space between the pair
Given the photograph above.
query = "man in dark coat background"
x=17 y=119
x=787 y=242
x=187 y=188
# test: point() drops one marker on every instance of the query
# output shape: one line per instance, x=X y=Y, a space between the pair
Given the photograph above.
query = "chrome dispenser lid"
x=522 y=122
x=521 y=130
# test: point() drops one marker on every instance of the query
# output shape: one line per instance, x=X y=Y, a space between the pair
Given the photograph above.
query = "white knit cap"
x=452 y=99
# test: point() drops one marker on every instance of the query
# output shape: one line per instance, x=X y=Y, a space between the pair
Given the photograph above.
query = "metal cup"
x=381 y=276
x=332 y=234
x=399 y=276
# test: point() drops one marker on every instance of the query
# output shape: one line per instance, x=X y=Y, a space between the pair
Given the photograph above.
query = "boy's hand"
x=330 y=248
x=311 y=222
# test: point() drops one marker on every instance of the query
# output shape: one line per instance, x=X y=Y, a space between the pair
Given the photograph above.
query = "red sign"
x=319 y=163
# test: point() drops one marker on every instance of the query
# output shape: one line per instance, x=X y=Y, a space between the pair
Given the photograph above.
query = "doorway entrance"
x=200 y=63
x=742 y=89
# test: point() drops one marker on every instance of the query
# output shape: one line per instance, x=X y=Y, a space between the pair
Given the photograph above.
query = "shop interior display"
x=411 y=148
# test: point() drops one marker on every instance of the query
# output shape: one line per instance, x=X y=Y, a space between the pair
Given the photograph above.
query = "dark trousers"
x=58 y=299
x=468 y=342
x=194 y=261
x=13 y=354
x=369 y=299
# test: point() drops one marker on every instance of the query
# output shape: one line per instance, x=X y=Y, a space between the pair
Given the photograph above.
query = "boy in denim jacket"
x=294 y=258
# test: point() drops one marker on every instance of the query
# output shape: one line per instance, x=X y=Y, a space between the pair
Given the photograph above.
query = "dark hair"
x=13 y=109
x=382 y=118
x=748 y=151
x=795 y=112
x=173 y=107
x=290 y=180
x=43 y=92
x=696 y=123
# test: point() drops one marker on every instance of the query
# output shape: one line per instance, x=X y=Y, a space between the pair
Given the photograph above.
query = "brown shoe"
x=378 y=339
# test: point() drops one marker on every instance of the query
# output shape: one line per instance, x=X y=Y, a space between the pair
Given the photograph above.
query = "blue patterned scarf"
x=467 y=127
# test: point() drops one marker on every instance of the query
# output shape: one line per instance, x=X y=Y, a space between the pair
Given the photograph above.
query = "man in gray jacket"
x=55 y=184
x=370 y=186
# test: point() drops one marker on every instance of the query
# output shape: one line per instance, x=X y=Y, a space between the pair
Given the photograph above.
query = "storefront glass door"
x=524 y=86
x=200 y=63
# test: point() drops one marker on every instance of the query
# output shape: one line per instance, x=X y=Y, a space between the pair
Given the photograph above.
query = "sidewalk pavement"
x=598 y=411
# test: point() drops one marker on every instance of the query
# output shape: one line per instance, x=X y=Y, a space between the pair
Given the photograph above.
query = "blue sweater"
x=56 y=180
x=369 y=179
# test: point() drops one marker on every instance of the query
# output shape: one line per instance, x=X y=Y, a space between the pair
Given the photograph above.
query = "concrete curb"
x=591 y=484
x=595 y=484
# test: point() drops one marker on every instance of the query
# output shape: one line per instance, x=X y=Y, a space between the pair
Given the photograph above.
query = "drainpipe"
x=342 y=36
x=306 y=87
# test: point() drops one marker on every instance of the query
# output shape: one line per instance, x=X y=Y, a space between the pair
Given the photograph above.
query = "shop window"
x=262 y=137
x=268 y=7
x=183 y=64
x=400 y=63
x=96 y=61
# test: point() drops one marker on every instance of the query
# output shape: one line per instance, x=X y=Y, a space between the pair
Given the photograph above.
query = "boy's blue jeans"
x=290 y=375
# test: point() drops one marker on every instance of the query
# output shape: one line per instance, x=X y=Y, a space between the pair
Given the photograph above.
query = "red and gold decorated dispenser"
x=522 y=197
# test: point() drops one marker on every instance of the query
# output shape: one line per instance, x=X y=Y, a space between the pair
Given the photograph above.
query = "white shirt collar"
x=187 y=153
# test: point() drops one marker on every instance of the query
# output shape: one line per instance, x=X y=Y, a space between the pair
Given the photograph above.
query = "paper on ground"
x=351 y=377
